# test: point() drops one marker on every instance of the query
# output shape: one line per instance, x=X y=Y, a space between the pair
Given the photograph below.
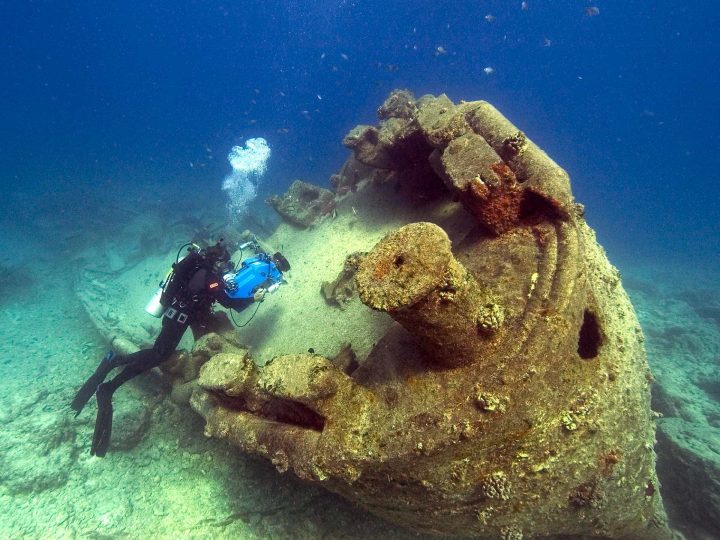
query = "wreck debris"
x=400 y=104
x=485 y=414
x=346 y=360
x=303 y=203
x=413 y=275
x=342 y=289
x=349 y=176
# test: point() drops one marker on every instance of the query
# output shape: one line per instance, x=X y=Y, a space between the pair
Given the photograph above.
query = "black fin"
x=88 y=389
x=103 y=422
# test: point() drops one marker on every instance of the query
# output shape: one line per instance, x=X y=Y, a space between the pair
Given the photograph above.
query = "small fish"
x=344 y=56
x=322 y=56
x=547 y=42
x=391 y=68
x=489 y=70
x=440 y=50
x=524 y=6
x=592 y=11
x=319 y=97
x=282 y=94
x=490 y=17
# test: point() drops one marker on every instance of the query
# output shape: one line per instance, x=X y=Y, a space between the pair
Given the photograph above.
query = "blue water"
x=118 y=93
x=142 y=101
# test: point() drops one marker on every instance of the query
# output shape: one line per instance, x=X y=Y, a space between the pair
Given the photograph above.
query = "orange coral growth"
x=381 y=269
x=497 y=206
x=501 y=210
x=504 y=173
x=478 y=188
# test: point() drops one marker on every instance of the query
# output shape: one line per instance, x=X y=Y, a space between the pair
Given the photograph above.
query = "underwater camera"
x=262 y=271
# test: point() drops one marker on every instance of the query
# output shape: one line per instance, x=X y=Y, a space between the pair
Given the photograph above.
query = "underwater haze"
x=625 y=100
x=112 y=111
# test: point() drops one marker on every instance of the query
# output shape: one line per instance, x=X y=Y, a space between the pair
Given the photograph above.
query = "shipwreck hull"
x=502 y=391
x=513 y=396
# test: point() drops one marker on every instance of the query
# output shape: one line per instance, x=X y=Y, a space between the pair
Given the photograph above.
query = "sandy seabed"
x=173 y=482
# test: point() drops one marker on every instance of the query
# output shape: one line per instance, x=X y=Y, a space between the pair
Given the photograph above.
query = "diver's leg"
x=168 y=338
x=104 y=394
x=107 y=364
x=142 y=361
x=87 y=390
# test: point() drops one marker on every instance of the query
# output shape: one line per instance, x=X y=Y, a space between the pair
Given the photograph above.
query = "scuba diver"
x=185 y=298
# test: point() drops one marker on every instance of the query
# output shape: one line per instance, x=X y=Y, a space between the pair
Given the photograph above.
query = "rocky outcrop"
x=342 y=289
x=690 y=471
x=303 y=203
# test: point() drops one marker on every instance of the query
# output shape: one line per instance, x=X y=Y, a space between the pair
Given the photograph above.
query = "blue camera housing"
x=254 y=272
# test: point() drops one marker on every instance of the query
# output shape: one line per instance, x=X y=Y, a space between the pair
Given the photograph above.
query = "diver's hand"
x=259 y=295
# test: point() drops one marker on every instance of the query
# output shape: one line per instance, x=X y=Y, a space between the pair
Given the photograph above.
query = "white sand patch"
x=297 y=317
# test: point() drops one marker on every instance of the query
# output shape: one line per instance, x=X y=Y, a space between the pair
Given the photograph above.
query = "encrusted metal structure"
x=512 y=399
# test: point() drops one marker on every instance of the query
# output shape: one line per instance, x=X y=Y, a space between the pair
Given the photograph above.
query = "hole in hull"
x=590 y=339
x=279 y=410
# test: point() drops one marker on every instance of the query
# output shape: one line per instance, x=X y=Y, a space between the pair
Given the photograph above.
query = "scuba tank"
x=154 y=307
x=262 y=270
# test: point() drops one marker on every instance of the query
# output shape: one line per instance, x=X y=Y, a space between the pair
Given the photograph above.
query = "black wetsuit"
x=194 y=287
x=188 y=298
